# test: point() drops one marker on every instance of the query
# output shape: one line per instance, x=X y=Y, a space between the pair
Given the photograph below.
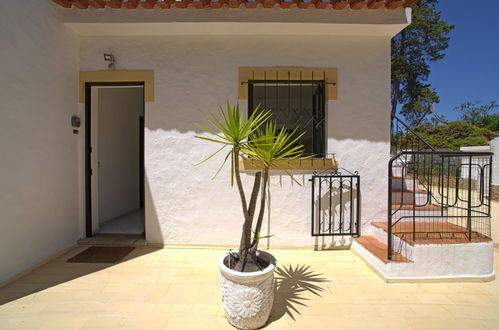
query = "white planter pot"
x=248 y=297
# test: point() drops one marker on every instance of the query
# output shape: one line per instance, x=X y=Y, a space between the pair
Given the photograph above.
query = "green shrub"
x=455 y=135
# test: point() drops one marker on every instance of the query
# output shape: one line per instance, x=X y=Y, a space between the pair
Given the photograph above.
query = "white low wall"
x=197 y=73
x=39 y=168
x=494 y=147
x=467 y=262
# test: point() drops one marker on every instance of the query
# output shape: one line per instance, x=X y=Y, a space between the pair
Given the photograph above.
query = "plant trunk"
x=263 y=196
x=254 y=194
x=245 y=244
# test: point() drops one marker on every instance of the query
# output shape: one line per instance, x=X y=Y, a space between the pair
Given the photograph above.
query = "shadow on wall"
x=58 y=272
x=153 y=230
x=291 y=290
x=346 y=121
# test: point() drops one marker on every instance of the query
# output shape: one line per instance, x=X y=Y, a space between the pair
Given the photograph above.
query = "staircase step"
x=405 y=177
x=379 y=249
x=409 y=191
x=432 y=233
x=404 y=182
x=380 y=232
x=382 y=225
x=399 y=170
x=418 y=208
x=409 y=197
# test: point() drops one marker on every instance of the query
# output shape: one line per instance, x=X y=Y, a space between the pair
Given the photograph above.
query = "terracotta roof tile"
x=199 y=4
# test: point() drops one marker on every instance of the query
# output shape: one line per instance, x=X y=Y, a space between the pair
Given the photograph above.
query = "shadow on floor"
x=291 y=285
x=57 y=272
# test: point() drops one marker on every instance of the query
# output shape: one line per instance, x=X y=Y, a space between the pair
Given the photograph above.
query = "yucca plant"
x=268 y=147
x=265 y=147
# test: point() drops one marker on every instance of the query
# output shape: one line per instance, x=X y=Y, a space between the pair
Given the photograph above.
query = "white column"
x=494 y=147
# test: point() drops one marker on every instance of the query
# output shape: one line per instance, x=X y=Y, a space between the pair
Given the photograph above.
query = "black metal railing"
x=433 y=195
x=335 y=204
x=405 y=138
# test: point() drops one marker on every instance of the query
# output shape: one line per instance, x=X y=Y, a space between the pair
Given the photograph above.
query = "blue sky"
x=470 y=70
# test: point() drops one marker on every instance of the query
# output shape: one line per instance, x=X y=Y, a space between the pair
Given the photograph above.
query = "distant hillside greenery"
x=480 y=115
x=478 y=124
x=455 y=135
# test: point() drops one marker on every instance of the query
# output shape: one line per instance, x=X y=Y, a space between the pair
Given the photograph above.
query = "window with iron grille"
x=294 y=104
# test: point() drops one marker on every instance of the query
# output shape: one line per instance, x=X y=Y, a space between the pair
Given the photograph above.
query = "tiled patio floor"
x=177 y=288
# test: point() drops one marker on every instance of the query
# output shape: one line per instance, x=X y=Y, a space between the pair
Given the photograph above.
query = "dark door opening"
x=114 y=158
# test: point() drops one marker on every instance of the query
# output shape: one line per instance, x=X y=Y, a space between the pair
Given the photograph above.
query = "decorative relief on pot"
x=247 y=306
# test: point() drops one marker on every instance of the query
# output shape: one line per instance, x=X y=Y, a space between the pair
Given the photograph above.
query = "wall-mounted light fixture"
x=75 y=123
x=112 y=61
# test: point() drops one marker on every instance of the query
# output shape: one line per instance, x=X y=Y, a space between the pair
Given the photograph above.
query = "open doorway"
x=114 y=157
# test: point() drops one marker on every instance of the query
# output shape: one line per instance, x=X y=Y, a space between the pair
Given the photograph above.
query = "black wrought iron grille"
x=335 y=204
x=294 y=103
x=435 y=196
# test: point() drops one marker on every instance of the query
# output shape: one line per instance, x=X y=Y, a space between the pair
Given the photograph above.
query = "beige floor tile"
x=61 y=322
x=394 y=310
x=135 y=309
x=437 y=288
x=385 y=322
x=154 y=298
x=469 y=288
x=21 y=308
x=469 y=299
x=421 y=310
x=219 y=323
x=173 y=288
x=490 y=324
x=403 y=288
x=146 y=323
x=340 y=322
x=490 y=312
x=99 y=323
x=188 y=322
x=433 y=298
x=356 y=310
x=367 y=298
x=205 y=309
x=443 y=323
x=173 y=310
x=126 y=297
x=399 y=298
x=24 y=322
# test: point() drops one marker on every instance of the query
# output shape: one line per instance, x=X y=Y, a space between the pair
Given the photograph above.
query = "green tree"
x=454 y=135
x=480 y=115
x=413 y=49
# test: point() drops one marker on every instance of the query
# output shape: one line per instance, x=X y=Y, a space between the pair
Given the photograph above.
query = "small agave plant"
x=258 y=139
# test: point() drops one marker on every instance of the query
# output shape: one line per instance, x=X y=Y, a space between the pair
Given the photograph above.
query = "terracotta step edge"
x=384 y=227
x=380 y=246
x=408 y=207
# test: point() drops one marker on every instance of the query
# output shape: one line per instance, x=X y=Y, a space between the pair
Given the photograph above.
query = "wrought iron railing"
x=405 y=138
x=336 y=204
x=435 y=196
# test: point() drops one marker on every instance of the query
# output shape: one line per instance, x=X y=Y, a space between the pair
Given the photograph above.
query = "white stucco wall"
x=197 y=73
x=494 y=147
x=39 y=165
x=475 y=175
